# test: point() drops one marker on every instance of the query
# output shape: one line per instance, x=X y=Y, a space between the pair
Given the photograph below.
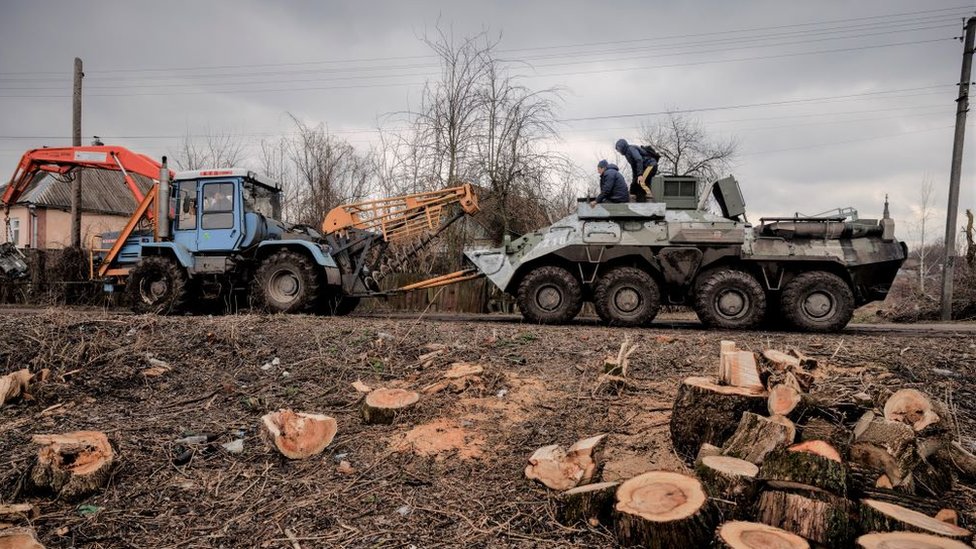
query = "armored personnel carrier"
x=806 y=273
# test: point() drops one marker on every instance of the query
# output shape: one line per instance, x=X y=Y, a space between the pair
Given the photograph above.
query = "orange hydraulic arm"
x=401 y=217
x=65 y=159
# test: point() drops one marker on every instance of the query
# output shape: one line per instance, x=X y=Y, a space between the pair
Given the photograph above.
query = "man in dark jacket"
x=640 y=165
x=613 y=186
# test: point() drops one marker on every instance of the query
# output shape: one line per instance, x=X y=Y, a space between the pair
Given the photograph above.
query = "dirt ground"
x=447 y=474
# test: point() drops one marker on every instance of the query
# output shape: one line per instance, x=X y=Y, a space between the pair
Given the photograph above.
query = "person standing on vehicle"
x=613 y=186
x=641 y=164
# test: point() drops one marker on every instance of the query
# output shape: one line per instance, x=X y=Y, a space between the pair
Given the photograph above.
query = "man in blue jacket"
x=641 y=165
x=613 y=186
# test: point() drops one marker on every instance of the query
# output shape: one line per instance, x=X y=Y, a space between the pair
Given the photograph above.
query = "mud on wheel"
x=729 y=299
x=549 y=295
x=157 y=285
x=627 y=296
x=286 y=282
x=817 y=301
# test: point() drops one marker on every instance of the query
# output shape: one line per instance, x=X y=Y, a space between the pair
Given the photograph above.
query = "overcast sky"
x=837 y=102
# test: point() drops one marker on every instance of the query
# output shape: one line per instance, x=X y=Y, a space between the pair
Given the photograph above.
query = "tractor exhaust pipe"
x=162 y=203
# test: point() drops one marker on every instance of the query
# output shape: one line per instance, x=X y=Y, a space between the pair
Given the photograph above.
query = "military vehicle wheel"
x=729 y=299
x=817 y=302
x=550 y=295
x=286 y=282
x=158 y=285
x=337 y=304
x=627 y=296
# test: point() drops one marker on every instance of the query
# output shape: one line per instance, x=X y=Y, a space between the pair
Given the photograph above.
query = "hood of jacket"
x=621 y=145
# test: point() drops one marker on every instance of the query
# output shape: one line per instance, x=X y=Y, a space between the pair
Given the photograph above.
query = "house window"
x=14 y=232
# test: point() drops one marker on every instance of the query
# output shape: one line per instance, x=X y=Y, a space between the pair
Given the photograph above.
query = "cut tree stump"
x=880 y=516
x=732 y=481
x=19 y=538
x=591 y=504
x=705 y=412
x=72 y=464
x=298 y=435
x=754 y=535
x=911 y=407
x=382 y=406
x=886 y=445
x=817 y=516
x=808 y=465
x=907 y=540
x=564 y=469
x=756 y=437
x=14 y=385
x=663 y=510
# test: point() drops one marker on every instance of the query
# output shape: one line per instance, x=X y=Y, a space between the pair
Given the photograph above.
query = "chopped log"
x=753 y=535
x=14 y=512
x=756 y=437
x=778 y=361
x=806 y=465
x=727 y=350
x=947 y=516
x=731 y=481
x=14 y=385
x=743 y=370
x=705 y=412
x=887 y=445
x=663 y=510
x=881 y=516
x=298 y=435
x=591 y=504
x=783 y=399
x=561 y=469
x=816 y=516
x=361 y=387
x=707 y=450
x=806 y=362
x=19 y=538
x=72 y=464
x=962 y=461
x=382 y=406
x=911 y=407
x=931 y=478
x=790 y=427
x=883 y=482
x=463 y=369
x=923 y=504
x=835 y=434
x=907 y=540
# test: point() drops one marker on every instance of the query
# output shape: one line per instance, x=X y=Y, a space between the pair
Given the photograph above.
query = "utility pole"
x=952 y=212
x=76 y=141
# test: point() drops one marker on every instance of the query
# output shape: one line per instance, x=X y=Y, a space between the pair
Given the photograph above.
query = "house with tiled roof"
x=42 y=217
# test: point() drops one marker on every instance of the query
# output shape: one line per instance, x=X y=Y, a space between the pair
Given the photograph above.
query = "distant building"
x=42 y=217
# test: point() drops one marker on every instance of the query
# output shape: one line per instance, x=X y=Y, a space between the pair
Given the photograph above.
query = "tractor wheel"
x=286 y=282
x=334 y=303
x=627 y=296
x=158 y=285
x=817 y=301
x=549 y=295
x=729 y=299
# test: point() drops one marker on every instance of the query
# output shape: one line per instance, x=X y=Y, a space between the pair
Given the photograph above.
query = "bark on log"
x=881 y=516
x=705 y=412
x=798 y=467
x=816 y=516
x=888 y=445
x=832 y=433
x=19 y=538
x=756 y=437
x=298 y=435
x=382 y=406
x=931 y=478
x=72 y=464
x=663 y=510
x=778 y=361
x=962 y=461
x=754 y=535
x=907 y=540
x=730 y=480
x=591 y=504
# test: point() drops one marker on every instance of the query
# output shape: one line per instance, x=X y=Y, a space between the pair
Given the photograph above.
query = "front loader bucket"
x=12 y=261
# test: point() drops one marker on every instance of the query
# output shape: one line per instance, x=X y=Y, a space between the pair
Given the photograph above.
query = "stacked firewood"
x=767 y=448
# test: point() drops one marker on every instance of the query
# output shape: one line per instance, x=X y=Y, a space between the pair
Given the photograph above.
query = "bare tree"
x=209 y=150
x=924 y=214
x=687 y=149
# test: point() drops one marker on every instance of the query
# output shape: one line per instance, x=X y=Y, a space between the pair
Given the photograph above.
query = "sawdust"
x=440 y=438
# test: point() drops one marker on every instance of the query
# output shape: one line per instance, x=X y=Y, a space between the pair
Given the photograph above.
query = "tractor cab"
x=221 y=211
